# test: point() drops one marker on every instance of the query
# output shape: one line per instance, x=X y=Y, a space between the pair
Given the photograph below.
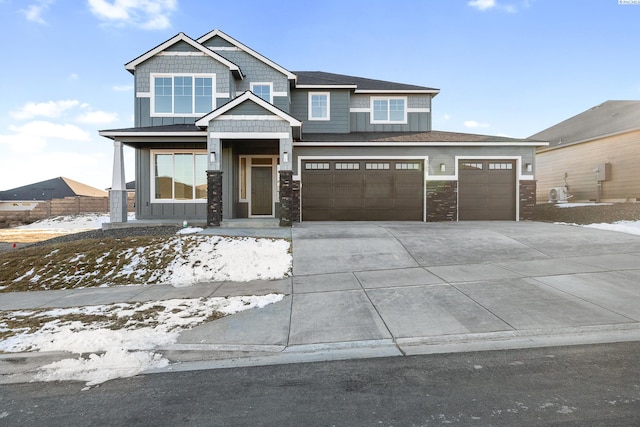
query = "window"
x=347 y=165
x=377 y=166
x=319 y=106
x=182 y=94
x=408 y=166
x=472 y=165
x=179 y=176
x=503 y=166
x=314 y=166
x=388 y=110
x=263 y=90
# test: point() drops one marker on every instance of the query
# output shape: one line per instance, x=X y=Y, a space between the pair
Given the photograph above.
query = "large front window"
x=180 y=176
x=388 y=110
x=182 y=94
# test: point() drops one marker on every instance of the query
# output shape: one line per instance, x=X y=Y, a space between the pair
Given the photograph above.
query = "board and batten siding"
x=338 y=111
x=578 y=161
x=416 y=121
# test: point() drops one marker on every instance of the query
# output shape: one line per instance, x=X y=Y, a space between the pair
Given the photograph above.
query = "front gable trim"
x=247 y=96
x=246 y=49
x=182 y=37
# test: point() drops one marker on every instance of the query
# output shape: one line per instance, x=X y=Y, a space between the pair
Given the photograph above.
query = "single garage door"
x=487 y=190
x=362 y=190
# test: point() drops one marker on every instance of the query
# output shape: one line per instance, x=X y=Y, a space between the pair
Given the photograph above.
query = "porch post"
x=118 y=192
x=214 y=197
x=287 y=200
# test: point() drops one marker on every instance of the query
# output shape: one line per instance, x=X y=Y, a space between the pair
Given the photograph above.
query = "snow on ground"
x=117 y=353
x=629 y=227
x=71 y=223
x=576 y=205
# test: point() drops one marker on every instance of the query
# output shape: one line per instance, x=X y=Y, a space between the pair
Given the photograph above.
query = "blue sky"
x=504 y=67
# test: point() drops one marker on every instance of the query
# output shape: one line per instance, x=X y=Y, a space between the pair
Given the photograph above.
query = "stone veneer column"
x=442 y=201
x=118 y=192
x=287 y=207
x=214 y=197
x=527 y=200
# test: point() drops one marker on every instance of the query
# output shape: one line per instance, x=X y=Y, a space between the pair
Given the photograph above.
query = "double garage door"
x=393 y=190
x=362 y=190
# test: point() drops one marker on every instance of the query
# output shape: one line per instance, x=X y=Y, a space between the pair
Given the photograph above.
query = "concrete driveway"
x=427 y=285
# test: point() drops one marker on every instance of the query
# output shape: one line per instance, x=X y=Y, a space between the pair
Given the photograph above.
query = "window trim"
x=310 y=109
x=152 y=177
x=270 y=84
x=152 y=106
x=373 y=121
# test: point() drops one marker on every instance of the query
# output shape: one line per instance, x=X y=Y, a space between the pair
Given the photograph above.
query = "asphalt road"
x=569 y=386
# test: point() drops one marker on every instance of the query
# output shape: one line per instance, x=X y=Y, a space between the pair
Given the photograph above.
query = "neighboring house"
x=223 y=132
x=592 y=156
x=56 y=188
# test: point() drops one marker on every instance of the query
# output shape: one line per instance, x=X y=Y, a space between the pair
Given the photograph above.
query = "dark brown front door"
x=261 y=191
x=362 y=190
x=487 y=190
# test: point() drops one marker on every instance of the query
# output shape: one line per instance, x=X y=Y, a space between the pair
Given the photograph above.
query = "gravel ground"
x=549 y=212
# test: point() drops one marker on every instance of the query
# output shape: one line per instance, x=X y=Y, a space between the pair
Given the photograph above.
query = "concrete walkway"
x=390 y=289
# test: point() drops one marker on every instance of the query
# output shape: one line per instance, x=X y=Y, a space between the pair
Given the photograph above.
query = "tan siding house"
x=594 y=155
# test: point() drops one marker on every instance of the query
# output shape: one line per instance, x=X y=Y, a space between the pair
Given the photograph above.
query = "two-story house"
x=223 y=132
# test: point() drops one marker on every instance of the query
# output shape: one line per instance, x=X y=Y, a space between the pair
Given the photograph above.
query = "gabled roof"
x=607 y=119
x=182 y=129
x=56 y=188
x=182 y=37
x=318 y=79
x=236 y=43
x=247 y=96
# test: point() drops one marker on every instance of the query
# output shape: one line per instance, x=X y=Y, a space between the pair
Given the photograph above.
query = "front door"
x=261 y=190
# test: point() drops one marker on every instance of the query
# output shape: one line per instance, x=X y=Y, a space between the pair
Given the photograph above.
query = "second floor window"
x=263 y=90
x=319 y=106
x=182 y=94
x=388 y=110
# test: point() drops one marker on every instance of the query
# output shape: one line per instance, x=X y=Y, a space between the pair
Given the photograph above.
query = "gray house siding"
x=255 y=71
x=177 y=64
x=338 y=109
x=145 y=209
x=436 y=155
x=416 y=121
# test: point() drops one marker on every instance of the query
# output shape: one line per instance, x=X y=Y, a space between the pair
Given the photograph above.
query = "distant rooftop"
x=608 y=118
x=56 y=188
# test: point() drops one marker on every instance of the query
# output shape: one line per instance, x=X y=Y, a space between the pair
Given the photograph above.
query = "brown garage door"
x=487 y=190
x=362 y=190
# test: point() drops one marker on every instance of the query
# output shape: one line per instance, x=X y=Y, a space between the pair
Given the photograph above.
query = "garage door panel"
x=487 y=190
x=369 y=190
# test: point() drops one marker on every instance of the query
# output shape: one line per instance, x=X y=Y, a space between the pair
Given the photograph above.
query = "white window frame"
x=152 y=84
x=152 y=176
x=328 y=95
x=388 y=120
x=253 y=84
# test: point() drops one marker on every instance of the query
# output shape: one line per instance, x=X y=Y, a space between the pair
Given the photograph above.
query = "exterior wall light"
x=529 y=167
x=285 y=157
x=212 y=157
x=443 y=167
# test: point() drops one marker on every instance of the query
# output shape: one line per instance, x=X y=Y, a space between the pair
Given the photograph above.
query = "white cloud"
x=33 y=137
x=147 y=14
x=73 y=76
x=482 y=4
x=446 y=117
x=49 y=109
x=122 y=88
x=97 y=117
x=474 y=124
x=34 y=12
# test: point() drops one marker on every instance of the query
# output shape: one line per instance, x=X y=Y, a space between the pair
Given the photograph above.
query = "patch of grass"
x=86 y=263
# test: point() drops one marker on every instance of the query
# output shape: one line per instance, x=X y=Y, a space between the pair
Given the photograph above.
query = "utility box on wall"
x=603 y=172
